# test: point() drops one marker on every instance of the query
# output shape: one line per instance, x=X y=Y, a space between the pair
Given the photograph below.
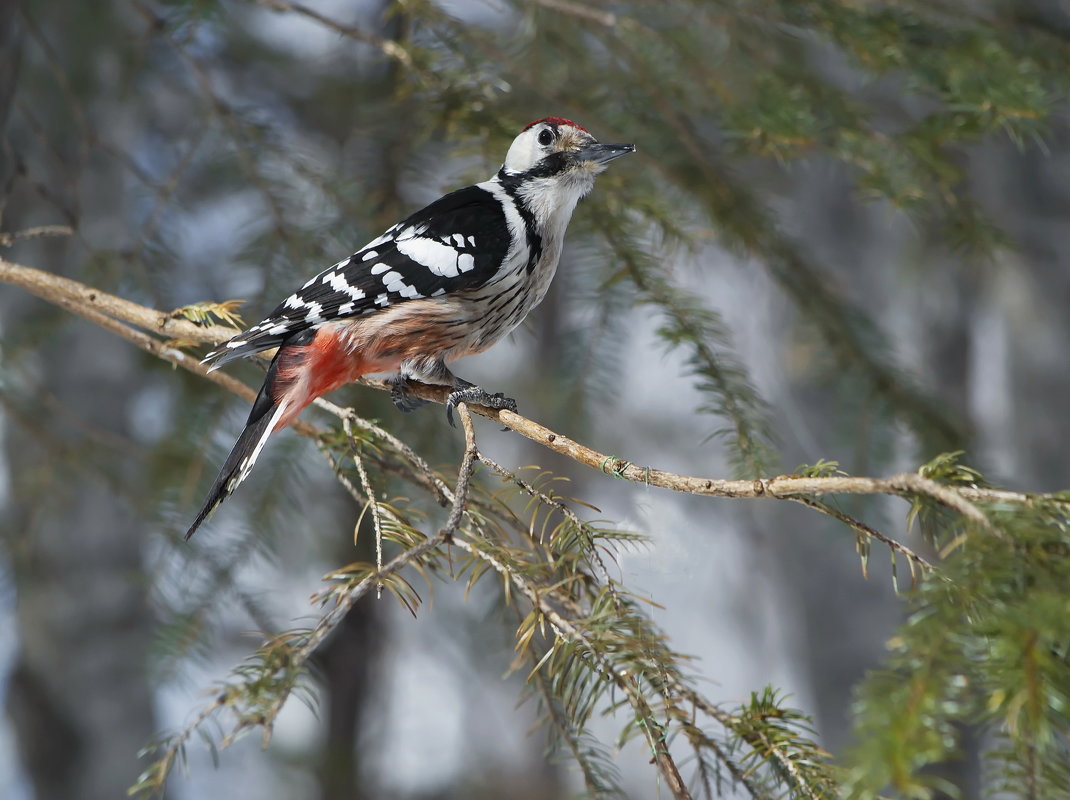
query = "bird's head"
x=558 y=147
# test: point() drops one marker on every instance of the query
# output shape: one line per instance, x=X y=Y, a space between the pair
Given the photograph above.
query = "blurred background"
x=842 y=238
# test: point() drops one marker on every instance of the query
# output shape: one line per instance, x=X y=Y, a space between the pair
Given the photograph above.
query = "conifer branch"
x=652 y=729
x=153 y=780
x=598 y=783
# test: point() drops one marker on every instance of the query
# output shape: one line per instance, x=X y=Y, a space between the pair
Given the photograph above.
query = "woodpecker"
x=448 y=281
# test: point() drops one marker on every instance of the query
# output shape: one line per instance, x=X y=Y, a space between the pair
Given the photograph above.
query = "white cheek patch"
x=523 y=153
x=441 y=259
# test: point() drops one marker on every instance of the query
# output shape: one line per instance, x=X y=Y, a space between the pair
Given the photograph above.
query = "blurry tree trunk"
x=79 y=696
x=9 y=65
x=346 y=662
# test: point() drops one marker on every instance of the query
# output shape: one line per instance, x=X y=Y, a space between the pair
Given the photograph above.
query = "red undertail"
x=299 y=374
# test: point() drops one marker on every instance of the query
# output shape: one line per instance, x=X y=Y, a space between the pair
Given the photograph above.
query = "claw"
x=402 y=398
x=477 y=396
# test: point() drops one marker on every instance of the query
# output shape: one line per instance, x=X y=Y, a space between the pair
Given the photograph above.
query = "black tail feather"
x=241 y=458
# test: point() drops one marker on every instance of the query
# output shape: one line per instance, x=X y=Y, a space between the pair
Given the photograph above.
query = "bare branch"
x=372 y=502
x=464 y=476
x=105 y=309
x=423 y=469
x=74 y=296
x=8 y=239
x=389 y=48
x=605 y=18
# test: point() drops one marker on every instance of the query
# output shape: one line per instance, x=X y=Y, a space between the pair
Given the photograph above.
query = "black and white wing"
x=458 y=242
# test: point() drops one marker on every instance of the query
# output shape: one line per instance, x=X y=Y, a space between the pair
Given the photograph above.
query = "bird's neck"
x=548 y=202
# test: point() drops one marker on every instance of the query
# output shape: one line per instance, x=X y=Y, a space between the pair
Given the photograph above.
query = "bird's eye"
x=546 y=137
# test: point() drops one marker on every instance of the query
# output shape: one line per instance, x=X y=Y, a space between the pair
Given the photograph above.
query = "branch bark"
x=118 y=315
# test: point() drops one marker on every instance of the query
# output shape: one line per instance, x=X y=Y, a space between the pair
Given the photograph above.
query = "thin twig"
x=605 y=18
x=464 y=477
x=437 y=485
x=232 y=123
x=564 y=727
x=372 y=503
x=868 y=531
x=7 y=239
x=388 y=47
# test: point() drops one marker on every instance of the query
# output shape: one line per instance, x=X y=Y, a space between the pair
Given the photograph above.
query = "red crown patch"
x=555 y=121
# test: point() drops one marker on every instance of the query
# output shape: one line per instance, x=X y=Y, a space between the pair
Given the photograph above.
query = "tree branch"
x=111 y=312
x=75 y=296
x=389 y=48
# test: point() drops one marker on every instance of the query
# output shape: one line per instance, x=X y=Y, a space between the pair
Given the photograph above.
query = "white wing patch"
x=441 y=259
x=386 y=237
x=394 y=282
x=340 y=284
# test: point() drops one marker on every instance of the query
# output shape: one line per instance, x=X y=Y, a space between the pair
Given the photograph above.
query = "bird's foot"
x=477 y=396
x=401 y=395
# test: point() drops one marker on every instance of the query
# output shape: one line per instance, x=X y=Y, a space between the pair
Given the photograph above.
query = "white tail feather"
x=246 y=464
